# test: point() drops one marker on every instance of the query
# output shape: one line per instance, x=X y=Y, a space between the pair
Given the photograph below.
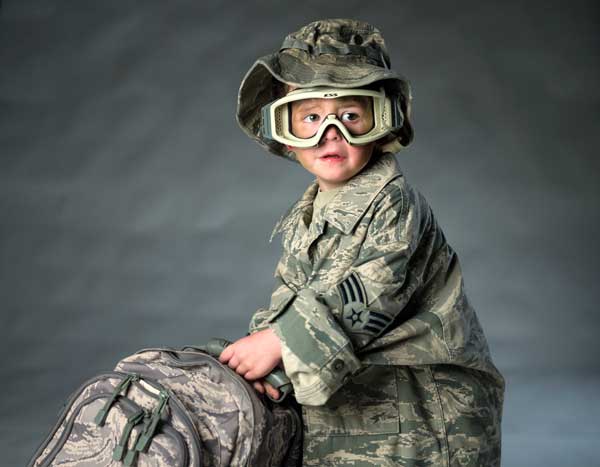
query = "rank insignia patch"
x=356 y=316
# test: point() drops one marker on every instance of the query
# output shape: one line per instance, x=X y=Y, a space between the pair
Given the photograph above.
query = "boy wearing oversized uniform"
x=368 y=317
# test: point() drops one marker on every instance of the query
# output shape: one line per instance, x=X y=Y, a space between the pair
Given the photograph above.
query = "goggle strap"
x=265 y=122
x=397 y=115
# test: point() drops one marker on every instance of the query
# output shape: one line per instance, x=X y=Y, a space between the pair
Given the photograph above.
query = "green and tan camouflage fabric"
x=342 y=53
x=213 y=418
x=384 y=350
x=79 y=441
x=236 y=425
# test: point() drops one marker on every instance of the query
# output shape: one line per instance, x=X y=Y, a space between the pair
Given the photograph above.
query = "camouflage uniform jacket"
x=385 y=352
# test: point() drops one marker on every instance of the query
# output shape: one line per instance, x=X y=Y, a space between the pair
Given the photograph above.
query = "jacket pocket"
x=366 y=404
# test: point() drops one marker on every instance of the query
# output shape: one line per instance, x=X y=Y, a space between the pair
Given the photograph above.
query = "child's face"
x=333 y=161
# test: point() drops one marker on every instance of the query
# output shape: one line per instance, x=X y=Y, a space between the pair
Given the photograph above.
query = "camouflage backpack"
x=166 y=407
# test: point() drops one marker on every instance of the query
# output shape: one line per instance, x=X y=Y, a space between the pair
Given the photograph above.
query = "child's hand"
x=253 y=356
x=263 y=387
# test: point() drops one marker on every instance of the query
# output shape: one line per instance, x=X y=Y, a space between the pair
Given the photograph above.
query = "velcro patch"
x=356 y=316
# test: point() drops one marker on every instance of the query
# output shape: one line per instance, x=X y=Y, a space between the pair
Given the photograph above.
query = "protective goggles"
x=301 y=117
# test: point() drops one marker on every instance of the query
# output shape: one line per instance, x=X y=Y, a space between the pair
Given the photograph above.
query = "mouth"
x=331 y=157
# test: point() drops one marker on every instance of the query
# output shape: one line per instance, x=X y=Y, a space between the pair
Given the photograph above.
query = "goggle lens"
x=308 y=115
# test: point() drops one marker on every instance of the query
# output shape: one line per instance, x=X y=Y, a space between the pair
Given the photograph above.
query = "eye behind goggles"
x=276 y=117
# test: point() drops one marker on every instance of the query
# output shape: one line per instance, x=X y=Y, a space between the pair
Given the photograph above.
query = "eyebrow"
x=305 y=105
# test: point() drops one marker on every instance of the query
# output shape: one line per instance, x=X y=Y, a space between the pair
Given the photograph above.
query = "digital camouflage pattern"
x=78 y=440
x=384 y=350
x=339 y=53
x=236 y=425
x=212 y=418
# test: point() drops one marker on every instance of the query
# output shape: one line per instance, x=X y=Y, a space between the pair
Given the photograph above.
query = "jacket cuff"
x=315 y=388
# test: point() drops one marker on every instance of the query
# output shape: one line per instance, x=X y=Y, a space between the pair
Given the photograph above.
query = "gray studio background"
x=135 y=213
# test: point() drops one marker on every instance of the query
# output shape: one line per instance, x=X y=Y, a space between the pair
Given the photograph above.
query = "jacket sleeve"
x=395 y=260
x=319 y=351
x=317 y=355
x=281 y=296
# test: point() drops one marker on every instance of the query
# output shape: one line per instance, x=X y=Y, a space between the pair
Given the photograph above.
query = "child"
x=368 y=318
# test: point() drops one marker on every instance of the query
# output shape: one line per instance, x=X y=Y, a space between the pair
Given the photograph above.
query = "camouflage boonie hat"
x=340 y=53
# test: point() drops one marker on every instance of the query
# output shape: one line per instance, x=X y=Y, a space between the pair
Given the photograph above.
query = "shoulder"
x=399 y=213
x=290 y=218
x=400 y=196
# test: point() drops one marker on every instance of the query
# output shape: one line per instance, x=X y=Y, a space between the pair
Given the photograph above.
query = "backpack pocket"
x=101 y=426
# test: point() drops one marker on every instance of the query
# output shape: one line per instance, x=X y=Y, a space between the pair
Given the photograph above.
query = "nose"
x=331 y=133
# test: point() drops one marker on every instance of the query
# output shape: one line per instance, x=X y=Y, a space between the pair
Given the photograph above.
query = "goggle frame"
x=275 y=118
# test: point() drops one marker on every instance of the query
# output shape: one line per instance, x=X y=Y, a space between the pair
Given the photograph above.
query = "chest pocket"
x=360 y=407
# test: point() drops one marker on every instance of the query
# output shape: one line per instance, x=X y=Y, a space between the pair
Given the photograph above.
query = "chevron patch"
x=356 y=316
x=353 y=290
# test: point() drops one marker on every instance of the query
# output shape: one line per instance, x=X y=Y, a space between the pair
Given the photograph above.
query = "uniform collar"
x=350 y=203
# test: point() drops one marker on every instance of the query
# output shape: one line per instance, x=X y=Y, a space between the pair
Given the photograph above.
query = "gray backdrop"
x=134 y=212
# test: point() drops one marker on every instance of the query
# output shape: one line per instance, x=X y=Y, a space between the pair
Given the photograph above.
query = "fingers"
x=259 y=369
x=251 y=375
x=239 y=366
x=246 y=363
x=263 y=387
x=271 y=391
x=226 y=354
x=233 y=362
x=242 y=370
x=259 y=387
